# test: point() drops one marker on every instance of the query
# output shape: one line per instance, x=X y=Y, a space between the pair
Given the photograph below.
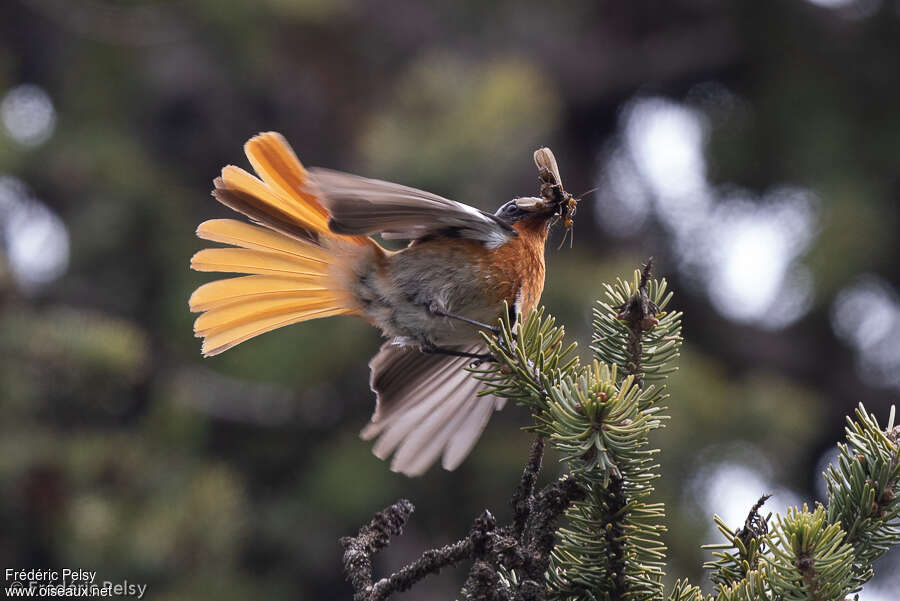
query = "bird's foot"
x=438 y=312
x=478 y=358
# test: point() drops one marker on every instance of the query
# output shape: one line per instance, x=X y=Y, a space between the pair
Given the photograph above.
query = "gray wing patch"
x=363 y=206
x=427 y=406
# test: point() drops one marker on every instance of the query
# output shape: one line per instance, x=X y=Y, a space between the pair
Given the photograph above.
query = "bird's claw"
x=483 y=358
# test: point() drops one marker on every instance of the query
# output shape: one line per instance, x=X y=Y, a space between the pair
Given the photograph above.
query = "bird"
x=308 y=252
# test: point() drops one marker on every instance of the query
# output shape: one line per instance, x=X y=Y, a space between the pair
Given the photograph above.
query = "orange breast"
x=519 y=265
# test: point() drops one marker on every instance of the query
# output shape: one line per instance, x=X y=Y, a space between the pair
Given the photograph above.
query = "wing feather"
x=427 y=405
x=363 y=206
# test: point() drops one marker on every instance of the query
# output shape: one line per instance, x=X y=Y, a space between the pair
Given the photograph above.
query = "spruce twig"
x=524 y=545
x=598 y=416
x=611 y=548
x=741 y=554
x=864 y=490
x=639 y=312
x=825 y=553
x=523 y=499
x=372 y=538
x=755 y=526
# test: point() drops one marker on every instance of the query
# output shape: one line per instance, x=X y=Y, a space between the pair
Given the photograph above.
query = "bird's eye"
x=509 y=211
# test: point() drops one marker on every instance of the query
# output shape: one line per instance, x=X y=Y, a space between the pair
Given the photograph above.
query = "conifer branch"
x=639 y=313
x=523 y=499
x=684 y=591
x=598 y=417
x=826 y=553
x=523 y=546
x=741 y=554
x=611 y=547
x=864 y=490
x=372 y=538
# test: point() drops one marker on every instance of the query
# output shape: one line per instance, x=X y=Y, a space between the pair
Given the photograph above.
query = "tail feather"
x=239 y=180
x=218 y=342
x=239 y=312
x=238 y=233
x=263 y=213
x=242 y=260
x=234 y=290
x=289 y=253
x=275 y=161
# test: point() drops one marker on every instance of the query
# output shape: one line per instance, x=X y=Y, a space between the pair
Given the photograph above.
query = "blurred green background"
x=753 y=148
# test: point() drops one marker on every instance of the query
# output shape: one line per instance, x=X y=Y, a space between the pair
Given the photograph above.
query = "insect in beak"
x=566 y=213
x=553 y=194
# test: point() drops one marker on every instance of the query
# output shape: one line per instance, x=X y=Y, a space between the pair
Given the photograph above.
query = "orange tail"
x=287 y=253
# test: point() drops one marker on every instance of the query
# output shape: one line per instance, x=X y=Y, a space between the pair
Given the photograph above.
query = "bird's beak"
x=531 y=204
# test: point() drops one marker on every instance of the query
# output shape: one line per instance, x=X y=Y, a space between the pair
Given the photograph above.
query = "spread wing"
x=427 y=407
x=363 y=206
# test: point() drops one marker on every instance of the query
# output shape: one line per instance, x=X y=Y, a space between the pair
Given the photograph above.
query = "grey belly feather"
x=400 y=302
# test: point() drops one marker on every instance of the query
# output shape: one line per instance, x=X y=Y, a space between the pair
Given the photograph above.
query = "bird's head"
x=529 y=207
x=555 y=203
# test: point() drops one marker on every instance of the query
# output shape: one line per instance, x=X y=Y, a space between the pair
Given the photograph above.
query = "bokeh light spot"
x=752 y=275
x=866 y=315
x=850 y=9
x=27 y=114
x=666 y=141
x=36 y=239
x=743 y=249
x=729 y=487
x=623 y=200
